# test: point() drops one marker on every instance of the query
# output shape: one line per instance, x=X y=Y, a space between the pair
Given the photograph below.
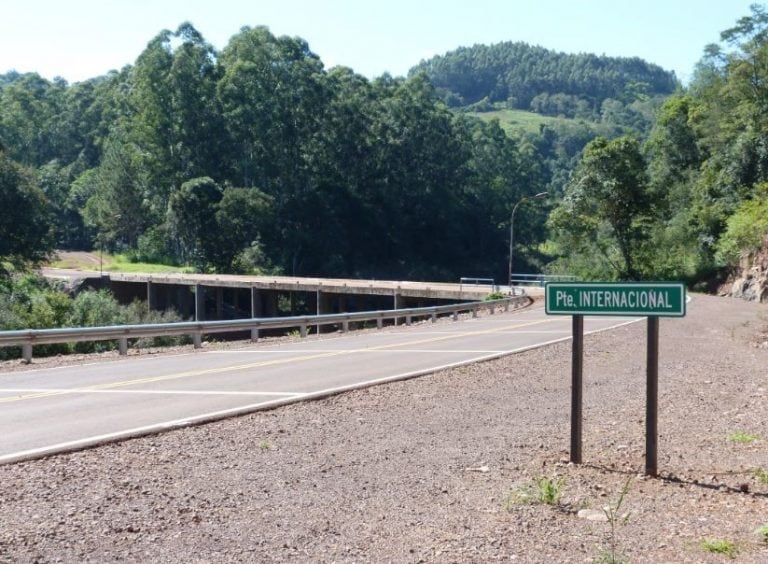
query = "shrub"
x=720 y=546
x=138 y=313
x=540 y=489
x=746 y=228
x=95 y=309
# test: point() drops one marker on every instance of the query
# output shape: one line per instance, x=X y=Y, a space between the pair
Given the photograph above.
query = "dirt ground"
x=436 y=469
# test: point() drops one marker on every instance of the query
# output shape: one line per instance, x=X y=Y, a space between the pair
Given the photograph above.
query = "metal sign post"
x=652 y=399
x=651 y=300
x=577 y=366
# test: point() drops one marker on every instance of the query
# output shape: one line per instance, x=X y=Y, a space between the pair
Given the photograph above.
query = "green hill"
x=527 y=77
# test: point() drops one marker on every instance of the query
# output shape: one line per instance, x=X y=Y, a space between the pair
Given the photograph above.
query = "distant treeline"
x=257 y=158
x=526 y=77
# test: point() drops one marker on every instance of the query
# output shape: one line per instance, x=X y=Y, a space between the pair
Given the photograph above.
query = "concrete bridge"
x=218 y=296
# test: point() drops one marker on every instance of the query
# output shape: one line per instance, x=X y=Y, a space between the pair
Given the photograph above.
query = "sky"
x=81 y=39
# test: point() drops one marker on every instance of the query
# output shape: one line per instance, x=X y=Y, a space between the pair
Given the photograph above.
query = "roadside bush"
x=95 y=309
x=32 y=302
x=746 y=229
x=139 y=313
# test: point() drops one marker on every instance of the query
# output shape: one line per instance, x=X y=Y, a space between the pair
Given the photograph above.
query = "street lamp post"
x=512 y=228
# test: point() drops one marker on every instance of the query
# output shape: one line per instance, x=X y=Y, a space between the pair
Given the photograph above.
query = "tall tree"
x=607 y=206
x=25 y=224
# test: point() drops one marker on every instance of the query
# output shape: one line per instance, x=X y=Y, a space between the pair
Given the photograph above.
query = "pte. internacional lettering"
x=663 y=299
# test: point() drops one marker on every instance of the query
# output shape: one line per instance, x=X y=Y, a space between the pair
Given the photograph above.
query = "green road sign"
x=657 y=299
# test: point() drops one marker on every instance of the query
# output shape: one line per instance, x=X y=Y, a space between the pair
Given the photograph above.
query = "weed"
x=611 y=555
x=294 y=333
x=763 y=533
x=720 y=546
x=265 y=445
x=540 y=489
x=608 y=557
x=742 y=438
x=761 y=475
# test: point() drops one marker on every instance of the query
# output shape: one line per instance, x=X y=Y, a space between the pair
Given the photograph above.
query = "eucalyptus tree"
x=174 y=113
x=29 y=119
x=272 y=98
x=25 y=224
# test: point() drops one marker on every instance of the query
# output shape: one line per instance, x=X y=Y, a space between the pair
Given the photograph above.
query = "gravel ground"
x=432 y=469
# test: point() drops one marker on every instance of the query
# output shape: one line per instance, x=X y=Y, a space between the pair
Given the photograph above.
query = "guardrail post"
x=474 y=313
x=255 y=335
x=197 y=339
x=379 y=322
x=26 y=353
x=303 y=330
x=455 y=315
x=122 y=346
x=434 y=317
x=492 y=309
x=345 y=326
x=408 y=319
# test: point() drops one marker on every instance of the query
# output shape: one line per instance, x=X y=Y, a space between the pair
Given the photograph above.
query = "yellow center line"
x=263 y=364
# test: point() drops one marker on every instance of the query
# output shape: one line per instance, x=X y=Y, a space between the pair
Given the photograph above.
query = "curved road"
x=67 y=408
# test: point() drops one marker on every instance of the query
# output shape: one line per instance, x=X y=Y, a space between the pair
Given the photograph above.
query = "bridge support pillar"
x=199 y=302
x=219 y=302
x=256 y=306
x=236 y=301
x=270 y=305
x=323 y=306
x=151 y=295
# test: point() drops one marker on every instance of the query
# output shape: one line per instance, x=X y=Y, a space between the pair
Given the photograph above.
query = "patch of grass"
x=720 y=546
x=264 y=444
x=112 y=263
x=120 y=263
x=540 y=489
x=761 y=475
x=517 y=120
x=742 y=438
x=763 y=533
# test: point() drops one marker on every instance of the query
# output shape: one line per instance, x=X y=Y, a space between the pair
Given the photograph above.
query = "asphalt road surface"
x=70 y=407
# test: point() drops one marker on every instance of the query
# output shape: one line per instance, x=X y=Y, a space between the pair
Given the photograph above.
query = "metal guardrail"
x=27 y=338
x=478 y=282
x=540 y=279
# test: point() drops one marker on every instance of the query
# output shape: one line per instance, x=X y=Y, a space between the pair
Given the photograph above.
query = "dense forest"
x=257 y=159
x=522 y=76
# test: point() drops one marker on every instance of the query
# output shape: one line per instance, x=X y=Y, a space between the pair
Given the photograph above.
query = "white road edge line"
x=155 y=428
x=159 y=392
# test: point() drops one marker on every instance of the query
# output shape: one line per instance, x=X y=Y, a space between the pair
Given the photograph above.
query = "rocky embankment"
x=751 y=280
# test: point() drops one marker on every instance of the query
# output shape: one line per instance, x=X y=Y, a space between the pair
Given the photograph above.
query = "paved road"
x=66 y=408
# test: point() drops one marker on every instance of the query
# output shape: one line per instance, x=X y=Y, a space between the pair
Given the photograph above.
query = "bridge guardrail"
x=540 y=279
x=27 y=338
